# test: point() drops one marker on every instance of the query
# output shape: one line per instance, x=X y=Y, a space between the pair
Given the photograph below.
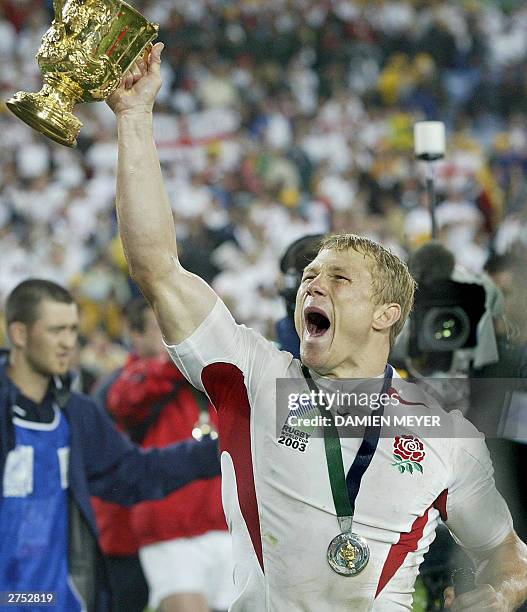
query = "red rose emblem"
x=409 y=448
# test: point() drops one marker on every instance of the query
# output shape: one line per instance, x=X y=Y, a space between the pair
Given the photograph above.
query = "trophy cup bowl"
x=83 y=56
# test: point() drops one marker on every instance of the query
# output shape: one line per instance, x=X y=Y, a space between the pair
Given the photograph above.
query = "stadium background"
x=277 y=119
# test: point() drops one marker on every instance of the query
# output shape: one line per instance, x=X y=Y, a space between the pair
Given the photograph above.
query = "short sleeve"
x=477 y=514
x=219 y=339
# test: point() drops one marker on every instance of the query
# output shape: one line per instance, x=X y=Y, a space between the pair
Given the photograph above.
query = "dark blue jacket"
x=288 y=339
x=105 y=463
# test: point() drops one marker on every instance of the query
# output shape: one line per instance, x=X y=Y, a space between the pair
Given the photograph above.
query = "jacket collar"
x=60 y=384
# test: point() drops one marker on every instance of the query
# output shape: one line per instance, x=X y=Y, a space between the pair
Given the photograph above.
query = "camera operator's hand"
x=483 y=598
x=139 y=86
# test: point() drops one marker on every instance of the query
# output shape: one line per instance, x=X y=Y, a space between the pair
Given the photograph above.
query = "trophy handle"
x=57 y=9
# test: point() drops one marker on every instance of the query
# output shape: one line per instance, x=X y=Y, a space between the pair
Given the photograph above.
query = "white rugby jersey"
x=278 y=502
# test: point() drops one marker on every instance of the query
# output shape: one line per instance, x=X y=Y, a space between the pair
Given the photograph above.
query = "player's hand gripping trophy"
x=83 y=56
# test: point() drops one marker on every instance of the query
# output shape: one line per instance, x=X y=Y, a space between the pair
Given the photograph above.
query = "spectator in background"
x=100 y=356
x=330 y=92
x=56 y=449
x=185 y=549
x=116 y=536
x=501 y=408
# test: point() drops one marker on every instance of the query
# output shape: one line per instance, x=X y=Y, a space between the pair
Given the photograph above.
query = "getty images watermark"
x=347 y=407
x=427 y=408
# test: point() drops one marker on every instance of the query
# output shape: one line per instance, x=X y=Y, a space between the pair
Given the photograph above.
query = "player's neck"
x=368 y=364
x=32 y=384
x=360 y=371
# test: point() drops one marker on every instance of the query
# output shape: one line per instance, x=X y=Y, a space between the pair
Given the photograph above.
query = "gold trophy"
x=83 y=55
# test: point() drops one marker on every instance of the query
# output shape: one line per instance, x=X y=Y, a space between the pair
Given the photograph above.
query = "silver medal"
x=348 y=554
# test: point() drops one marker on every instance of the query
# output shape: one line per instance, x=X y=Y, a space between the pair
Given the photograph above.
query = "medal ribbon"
x=346 y=488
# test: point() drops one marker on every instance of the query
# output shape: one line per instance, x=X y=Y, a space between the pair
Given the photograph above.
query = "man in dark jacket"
x=56 y=449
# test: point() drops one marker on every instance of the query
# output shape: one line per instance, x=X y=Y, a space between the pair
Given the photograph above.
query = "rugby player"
x=312 y=528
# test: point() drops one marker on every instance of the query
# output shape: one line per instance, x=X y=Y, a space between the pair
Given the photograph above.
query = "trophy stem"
x=61 y=90
x=50 y=110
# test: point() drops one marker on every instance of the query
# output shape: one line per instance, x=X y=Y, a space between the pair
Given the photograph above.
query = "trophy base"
x=55 y=123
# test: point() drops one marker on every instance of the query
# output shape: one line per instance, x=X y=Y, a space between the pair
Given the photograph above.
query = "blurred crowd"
x=277 y=118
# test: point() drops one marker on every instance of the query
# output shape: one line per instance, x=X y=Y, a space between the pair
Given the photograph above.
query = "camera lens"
x=445 y=329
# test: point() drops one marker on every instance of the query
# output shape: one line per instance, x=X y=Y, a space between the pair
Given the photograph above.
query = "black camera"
x=446 y=312
x=445 y=317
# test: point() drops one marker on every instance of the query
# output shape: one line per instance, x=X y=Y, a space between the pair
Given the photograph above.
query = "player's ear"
x=385 y=316
x=17 y=334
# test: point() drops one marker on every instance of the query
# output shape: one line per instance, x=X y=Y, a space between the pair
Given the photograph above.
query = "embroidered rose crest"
x=408 y=451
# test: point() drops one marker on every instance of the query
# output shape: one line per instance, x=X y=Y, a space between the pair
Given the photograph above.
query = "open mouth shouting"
x=317 y=322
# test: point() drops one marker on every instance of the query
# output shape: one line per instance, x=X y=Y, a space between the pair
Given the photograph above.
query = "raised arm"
x=181 y=300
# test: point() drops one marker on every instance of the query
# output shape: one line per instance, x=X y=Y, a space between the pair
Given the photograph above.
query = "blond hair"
x=391 y=280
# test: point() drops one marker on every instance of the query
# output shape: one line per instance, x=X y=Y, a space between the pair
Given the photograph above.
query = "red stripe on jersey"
x=226 y=388
x=407 y=543
x=440 y=504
